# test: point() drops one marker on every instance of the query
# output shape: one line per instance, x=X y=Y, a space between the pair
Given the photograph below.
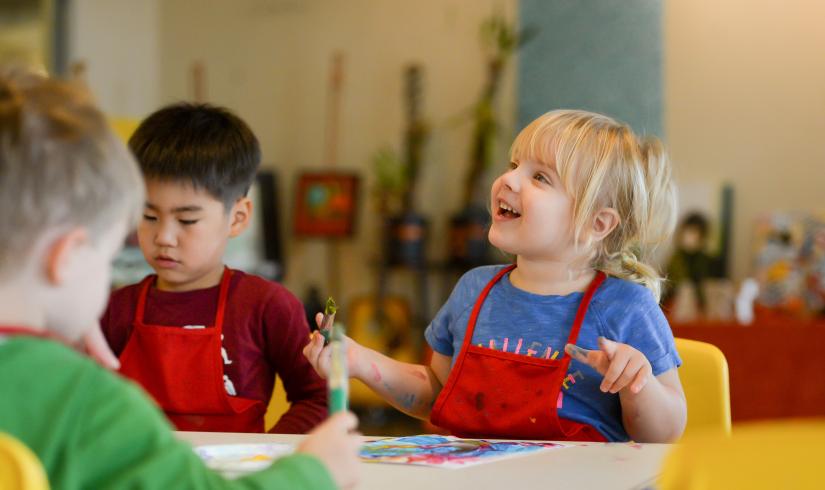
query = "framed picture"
x=325 y=204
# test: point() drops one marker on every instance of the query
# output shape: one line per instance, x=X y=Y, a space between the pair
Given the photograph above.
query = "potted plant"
x=468 y=228
x=405 y=230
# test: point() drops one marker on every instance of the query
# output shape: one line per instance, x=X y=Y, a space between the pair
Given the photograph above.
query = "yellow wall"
x=119 y=42
x=745 y=103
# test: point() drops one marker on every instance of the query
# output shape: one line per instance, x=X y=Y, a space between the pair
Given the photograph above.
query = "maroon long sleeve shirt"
x=264 y=330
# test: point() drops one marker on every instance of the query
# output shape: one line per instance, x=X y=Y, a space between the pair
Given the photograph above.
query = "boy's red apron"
x=496 y=394
x=183 y=371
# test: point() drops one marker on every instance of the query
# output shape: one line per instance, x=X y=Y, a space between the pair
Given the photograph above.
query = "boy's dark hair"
x=206 y=145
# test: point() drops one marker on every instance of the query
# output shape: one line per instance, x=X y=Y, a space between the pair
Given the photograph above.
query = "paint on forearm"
x=376 y=374
x=407 y=401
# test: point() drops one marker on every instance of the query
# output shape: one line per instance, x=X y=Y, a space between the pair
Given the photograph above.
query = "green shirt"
x=92 y=429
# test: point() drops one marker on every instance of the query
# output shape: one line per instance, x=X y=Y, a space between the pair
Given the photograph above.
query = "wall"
x=119 y=40
x=745 y=103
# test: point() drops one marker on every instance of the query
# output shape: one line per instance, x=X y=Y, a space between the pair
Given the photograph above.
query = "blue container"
x=406 y=242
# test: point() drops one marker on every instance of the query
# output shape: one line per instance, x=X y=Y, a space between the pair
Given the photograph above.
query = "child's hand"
x=620 y=364
x=95 y=346
x=336 y=445
x=319 y=355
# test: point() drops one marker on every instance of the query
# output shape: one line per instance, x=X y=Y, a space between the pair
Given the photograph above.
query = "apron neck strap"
x=145 y=284
x=583 y=305
x=222 y=295
x=471 y=324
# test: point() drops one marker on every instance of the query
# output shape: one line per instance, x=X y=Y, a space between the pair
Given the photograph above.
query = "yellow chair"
x=704 y=376
x=786 y=454
x=19 y=466
x=278 y=404
x=124 y=127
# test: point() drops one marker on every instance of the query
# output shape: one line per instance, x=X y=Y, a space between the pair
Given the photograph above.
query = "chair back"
x=124 y=127
x=278 y=404
x=776 y=454
x=704 y=376
x=20 y=469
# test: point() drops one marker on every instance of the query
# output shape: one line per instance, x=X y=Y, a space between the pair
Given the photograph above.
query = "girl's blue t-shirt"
x=517 y=321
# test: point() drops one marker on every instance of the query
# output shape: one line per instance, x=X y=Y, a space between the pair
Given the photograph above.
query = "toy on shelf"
x=789 y=262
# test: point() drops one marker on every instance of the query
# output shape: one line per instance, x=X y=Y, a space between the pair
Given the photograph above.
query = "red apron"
x=183 y=371
x=503 y=395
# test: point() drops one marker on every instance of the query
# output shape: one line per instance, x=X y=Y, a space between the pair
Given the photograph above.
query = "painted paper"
x=234 y=460
x=447 y=451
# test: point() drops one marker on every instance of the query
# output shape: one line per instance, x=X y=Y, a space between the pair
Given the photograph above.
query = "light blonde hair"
x=603 y=164
x=60 y=164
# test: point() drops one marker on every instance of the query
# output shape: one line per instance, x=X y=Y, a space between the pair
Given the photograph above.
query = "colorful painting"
x=447 y=451
x=234 y=460
x=325 y=204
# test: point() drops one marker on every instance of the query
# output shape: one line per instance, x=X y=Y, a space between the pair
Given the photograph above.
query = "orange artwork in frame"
x=325 y=204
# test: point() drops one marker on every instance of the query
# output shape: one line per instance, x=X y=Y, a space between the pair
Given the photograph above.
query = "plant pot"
x=469 y=246
x=406 y=242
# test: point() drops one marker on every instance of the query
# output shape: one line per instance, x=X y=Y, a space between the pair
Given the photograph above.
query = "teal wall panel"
x=600 y=55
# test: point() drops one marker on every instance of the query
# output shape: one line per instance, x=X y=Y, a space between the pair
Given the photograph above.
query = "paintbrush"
x=328 y=320
x=338 y=379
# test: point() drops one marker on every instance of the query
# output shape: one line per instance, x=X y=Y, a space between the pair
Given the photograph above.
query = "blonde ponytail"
x=625 y=265
x=649 y=224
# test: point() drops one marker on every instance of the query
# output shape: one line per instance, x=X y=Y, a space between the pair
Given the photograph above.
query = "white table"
x=602 y=466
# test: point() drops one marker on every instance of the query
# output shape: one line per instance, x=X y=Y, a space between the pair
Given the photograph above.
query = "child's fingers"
x=608 y=346
x=344 y=421
x=96 y=346
x=324 y=359
x=614 y=370
x=593 y=358
x=642 y=377
x=313 y=351
x=628 y=375
x=318 y=354
x=309 y=349
x=319 y=319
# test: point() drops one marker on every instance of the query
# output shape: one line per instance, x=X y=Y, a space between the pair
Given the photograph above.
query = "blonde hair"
x=603 y=164
x=60 y=164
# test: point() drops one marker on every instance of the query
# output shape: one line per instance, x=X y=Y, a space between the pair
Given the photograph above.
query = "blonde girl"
x=569 y=342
